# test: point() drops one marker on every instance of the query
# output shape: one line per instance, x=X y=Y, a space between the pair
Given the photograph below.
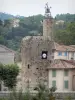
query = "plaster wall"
x=68 y=57
x=60 y=78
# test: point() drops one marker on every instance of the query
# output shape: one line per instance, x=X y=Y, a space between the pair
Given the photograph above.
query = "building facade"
x=64 y=52
x=7 y=55
x=62 y=75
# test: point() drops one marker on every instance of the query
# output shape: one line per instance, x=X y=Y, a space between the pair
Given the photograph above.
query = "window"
x=59 y=53
x=66 y=84
x=44 y=54
x=72 y=56
x=54 y=83
x=53 y=73
x=65 y=53
x=66 y=73
x=28 y=66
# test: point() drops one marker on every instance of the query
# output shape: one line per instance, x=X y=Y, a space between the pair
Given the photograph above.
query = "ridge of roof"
x=62 y=64
x=7 y=48
x=69 y=61
x=62 y=47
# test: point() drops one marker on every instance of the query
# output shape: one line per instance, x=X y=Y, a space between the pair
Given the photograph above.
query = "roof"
x=5 y=49
x=63 y=47
x=62 y=64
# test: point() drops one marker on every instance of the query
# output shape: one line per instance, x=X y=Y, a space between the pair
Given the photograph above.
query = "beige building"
x=42 y=57
x=62 y=75
x=7 y=55
x=63 y=52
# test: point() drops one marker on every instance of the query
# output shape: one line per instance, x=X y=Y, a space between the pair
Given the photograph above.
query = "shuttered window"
x=54 y=83
x=66 y=84
x=66 y=73
x=53 y=73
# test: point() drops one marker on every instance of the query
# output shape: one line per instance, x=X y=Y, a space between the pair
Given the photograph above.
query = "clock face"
x=44 y=55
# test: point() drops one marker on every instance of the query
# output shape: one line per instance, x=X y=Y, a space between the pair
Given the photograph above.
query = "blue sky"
x=34 y=7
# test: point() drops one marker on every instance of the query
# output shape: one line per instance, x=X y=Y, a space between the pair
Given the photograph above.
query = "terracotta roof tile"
x=62 y=64
x=63 y=47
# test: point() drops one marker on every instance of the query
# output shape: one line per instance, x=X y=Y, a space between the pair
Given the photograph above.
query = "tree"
x=1 y=22
x=7 y=23
x=8 y=74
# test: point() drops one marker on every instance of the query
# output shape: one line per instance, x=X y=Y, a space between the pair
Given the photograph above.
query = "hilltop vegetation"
x=32 y=25
x=66 y=17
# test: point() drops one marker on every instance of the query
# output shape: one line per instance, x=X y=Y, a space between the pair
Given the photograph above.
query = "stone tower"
x=36 y=54
x=48 y=24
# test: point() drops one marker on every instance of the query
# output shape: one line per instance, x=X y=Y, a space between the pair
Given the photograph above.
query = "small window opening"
x=28 y=66
x=37 y=68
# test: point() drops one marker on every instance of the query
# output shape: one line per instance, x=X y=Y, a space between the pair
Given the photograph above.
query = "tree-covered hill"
x=65 y=17
x=32 y=25
x=4 y=16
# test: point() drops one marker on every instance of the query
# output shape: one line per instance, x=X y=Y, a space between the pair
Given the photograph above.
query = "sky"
x=34 y=7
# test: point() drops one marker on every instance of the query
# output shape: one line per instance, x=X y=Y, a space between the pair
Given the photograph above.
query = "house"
x=62 y=75
x=63 y=52
x=59 y=22
x=7 y=56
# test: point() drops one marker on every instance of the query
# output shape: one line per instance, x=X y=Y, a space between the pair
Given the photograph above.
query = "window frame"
x=59 y=53
x=53 y=83
x=65 y=53
x=66 y=74
x=66 y=84
x=53 y=74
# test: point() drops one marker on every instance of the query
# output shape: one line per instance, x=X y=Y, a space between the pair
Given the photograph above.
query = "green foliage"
x=68 y=98
x=44 y=93
x=8 y=74
x=66 y=35
x=4 y=16
x=3 y=99
x=66 y=17
x=1 y=22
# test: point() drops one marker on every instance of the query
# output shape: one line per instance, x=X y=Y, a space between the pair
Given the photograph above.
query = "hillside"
x=32 y=25
x=65 y=17
x=4 y=16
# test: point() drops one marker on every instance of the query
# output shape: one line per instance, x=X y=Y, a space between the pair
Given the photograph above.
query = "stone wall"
x=58 y=96
x=34 y=68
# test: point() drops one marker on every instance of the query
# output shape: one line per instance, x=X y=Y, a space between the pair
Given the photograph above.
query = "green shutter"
x=53 y=73
x=66 y=73
x=54 y=83
x=66 y=84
